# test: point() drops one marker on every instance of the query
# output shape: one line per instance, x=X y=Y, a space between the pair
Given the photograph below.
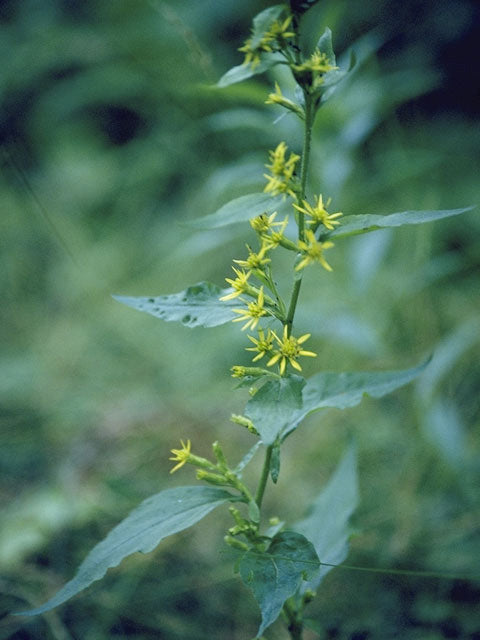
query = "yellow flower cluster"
x=281 y=179
x=272 y=40
x=271 y=234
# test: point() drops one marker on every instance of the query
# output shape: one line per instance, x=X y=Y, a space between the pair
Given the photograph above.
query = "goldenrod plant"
x=283 y=563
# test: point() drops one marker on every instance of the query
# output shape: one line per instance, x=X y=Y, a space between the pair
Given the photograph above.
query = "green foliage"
x=275 y=406
x=277 y=574
x=197 y=306
x=327 y=523
x=241 y=209
x=353 y=225
x=280 y=405
x=153 y=520
x=243 y=72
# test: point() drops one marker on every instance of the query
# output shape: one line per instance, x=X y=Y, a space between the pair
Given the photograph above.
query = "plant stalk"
x=310 y=113
x=264 y=477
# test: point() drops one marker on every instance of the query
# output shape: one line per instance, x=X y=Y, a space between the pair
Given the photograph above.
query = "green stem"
x=310 y=112
x=295 y=624
x=264 y=477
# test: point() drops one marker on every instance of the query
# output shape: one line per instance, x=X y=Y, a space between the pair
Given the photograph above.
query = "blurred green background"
x=113 y=137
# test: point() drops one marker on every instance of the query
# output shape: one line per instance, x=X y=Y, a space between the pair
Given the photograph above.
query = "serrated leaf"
x=155 y=518
x=326 y=525
x=353 y=225
x=239 y=210
x=275 y=575
x=275 y=405
x=244 y=71
x=197 y=306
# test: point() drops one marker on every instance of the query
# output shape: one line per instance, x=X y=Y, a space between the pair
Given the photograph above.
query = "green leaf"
x=275 y=575
x=345 y=390
x=324 y=45
x=197 y=306
x=353 y=225
x=239 y=210
x=244 y=71
x=326 y=525
x=275 y=405
x=155 y=518
x=280 y=405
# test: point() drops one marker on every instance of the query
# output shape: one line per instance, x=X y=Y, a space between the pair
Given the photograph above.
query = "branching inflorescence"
x=280 y=564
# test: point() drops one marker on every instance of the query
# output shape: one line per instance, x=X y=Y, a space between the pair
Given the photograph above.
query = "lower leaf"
x=276 y=575
x=155 y=518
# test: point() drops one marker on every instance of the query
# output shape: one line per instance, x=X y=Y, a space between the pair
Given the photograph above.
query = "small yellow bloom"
x=272 y=40
x=238 y=371
x=275 y=238
x=319 y=213
x=255 y=260
x=317 y=62
x=263 y=345
x=181 y=455
x=289 y=349
x=313 y=251
x=263 y=223
x=240 y=284
x=281 y=180
x=252 y=313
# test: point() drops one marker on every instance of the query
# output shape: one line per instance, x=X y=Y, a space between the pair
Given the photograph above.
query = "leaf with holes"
x=197 y=306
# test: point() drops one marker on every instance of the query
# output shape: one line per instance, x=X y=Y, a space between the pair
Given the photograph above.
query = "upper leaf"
x=280 y=405
x=244 y=71
x=155 y=518
x=344 y=390
x=197 y=306
x=275 y=406
x=275 y=575
x=239 y=210
x=353 y=225
x=326 y=525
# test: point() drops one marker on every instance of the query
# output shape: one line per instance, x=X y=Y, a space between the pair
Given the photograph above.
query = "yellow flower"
x=318 y=62
x=252 y=313
x=272 y=40
x=282 y=170
x=263 y=345
x=313 y=251
x=240 y=284
x=289 y=349
x=181 y=455
x=276 y=237
x=279 y=30
x=252 y=54
x=255 y=260
x=263 y=223
x=319 y=213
